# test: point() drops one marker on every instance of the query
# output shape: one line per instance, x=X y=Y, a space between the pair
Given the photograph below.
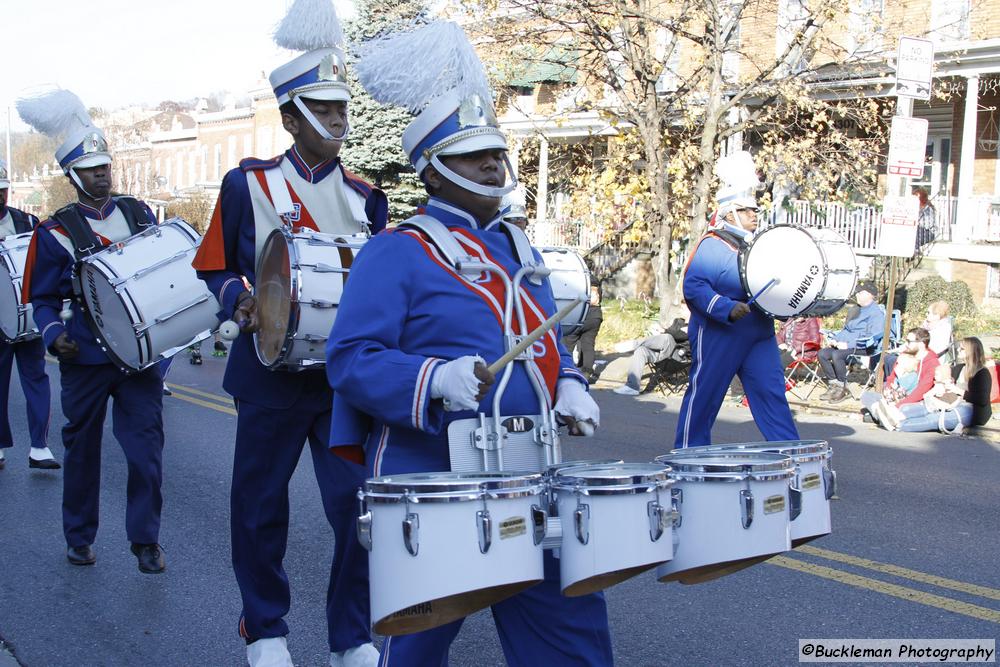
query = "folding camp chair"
x=670 y=375
x=805 y=362
x=868 y=351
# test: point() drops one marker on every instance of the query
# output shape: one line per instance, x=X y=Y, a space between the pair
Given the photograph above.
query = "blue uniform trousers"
x=539 y=626
x=30 y=357
x=137 y=415
x=715 y=359
x=268 y=446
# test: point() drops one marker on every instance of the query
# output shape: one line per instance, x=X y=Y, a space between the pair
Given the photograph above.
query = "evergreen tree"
x=374 y=150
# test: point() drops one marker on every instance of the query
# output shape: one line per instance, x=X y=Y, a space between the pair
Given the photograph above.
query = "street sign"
x=914 y=68
x=907 y=146
x=898 y=231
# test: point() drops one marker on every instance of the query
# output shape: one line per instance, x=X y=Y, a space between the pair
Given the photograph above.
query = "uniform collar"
x=106 y=210
x=311 y=174
x=452 y=215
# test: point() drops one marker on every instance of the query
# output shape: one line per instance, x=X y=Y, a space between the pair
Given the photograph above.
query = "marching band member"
x=727 y=336
x=88 y=376
x=279 y=410
x=412 y=332
x=30 y=355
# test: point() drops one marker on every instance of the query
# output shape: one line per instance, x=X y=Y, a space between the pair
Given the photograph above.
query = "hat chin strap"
x=323 y=132
x=476 y=188
x=79 y=184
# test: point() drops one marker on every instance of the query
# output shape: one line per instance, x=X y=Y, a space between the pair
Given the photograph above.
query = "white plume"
x=310 y=25
x=412 y=68
x=737 y=171
x=54 y=112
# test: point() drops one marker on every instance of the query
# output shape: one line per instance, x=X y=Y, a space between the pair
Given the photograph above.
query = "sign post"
x=907 y=144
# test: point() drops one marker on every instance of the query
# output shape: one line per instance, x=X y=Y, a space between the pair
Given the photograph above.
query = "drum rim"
x=452 y=487
x=293 y=287
x=555 y=467
x=806 y=451
x=768 y=467
x=574 y=479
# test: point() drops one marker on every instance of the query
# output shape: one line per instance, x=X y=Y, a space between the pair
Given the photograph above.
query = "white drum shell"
x=816 y=267
x=448 y=561
x=16 y=321
x=570 y=279
x=144 y=298
x=308 y=333
x=711 y=529
x=811 y=479
x=619 y=536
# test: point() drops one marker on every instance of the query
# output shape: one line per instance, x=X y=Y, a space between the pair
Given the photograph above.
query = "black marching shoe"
x=81 y=555
x=44 y=464
x=150 y=558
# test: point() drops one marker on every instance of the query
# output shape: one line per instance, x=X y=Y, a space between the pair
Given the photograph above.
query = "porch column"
x=542 y=194
x=966 y=211
x=515 y=156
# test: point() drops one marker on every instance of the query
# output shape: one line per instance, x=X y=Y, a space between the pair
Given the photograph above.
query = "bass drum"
x=570 y=279
x=815 y=270
x=16 y=322
x=142 y=298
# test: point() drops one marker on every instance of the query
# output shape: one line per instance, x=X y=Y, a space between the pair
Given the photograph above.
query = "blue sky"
x=113 y=53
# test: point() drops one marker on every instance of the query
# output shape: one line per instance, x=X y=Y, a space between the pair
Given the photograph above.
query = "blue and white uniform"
x=721 y=349
x=404 y=313
x=30 y=357
x=278 y=411
x=90 y=378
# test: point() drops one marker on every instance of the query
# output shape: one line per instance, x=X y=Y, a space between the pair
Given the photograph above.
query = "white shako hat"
x=435 y=73
x=4 y=177
x=738 y=182
x=321 y=72
x=60 y=114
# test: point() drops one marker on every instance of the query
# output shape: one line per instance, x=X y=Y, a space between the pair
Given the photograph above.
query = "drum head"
x=791 y=255
x=274 y=299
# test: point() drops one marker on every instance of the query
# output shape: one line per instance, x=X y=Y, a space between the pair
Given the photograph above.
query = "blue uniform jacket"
x=405 y=312
x=48 y=281
x=869 y=322
x=228 y=254
x=712 y=287
x=22 y=222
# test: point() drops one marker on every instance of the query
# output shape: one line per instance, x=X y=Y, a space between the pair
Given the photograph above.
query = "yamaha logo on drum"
x=95 y=300
x=803 y=287
x=518 y=424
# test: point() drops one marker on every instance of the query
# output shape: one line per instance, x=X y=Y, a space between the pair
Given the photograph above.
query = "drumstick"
x=771 y=283
x=530 y=339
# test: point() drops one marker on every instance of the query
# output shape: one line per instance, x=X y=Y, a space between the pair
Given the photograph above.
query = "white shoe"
x=39 y=454
x=365 y=655
x=269 y=652
x=626 y=390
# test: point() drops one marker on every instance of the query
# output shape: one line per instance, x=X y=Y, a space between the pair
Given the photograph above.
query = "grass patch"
x=625 y=320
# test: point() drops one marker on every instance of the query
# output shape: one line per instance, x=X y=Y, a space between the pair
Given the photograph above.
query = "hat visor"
x=325 y=94
x=88 y=161
x=475 y=143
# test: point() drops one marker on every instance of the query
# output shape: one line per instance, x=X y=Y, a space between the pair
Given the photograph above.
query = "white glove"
x=572 y=400
x=456 y=382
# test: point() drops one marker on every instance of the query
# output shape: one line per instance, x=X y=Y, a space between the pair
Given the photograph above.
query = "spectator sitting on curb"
x=916 y=344
x=653 y=349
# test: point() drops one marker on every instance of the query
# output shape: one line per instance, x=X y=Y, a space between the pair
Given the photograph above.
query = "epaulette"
x=256 y=164
x=362 y=186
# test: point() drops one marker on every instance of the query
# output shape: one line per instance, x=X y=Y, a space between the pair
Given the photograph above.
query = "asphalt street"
x=913 y=553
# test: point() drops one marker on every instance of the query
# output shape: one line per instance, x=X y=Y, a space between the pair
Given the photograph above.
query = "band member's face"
x=96 y=180
x=747 y=219
x=3 y=197
x=484 y=167
x=332 y=116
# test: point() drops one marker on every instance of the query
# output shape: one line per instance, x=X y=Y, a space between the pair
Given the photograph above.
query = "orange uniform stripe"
x=211 y=255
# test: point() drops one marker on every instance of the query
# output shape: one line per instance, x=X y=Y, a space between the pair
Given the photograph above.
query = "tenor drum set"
x=16 y=322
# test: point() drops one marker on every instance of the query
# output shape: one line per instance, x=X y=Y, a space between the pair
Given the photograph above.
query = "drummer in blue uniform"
x=728 y=337
x=30 y=355
x=280 y=410
x=407 y=349
x=88 y=376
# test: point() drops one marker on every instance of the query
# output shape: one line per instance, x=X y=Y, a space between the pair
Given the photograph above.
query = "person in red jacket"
x=917 y=341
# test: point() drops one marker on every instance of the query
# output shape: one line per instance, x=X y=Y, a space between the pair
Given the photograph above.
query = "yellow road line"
x=205 y=404
x=895 y=570
x=902 y=592
x=204 y=394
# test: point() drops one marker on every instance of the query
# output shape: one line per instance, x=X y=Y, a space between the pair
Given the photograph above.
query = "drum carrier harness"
x=84 y=239
x=478 y=444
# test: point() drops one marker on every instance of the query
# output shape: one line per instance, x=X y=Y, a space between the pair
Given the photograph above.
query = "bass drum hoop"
x=285 y=237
